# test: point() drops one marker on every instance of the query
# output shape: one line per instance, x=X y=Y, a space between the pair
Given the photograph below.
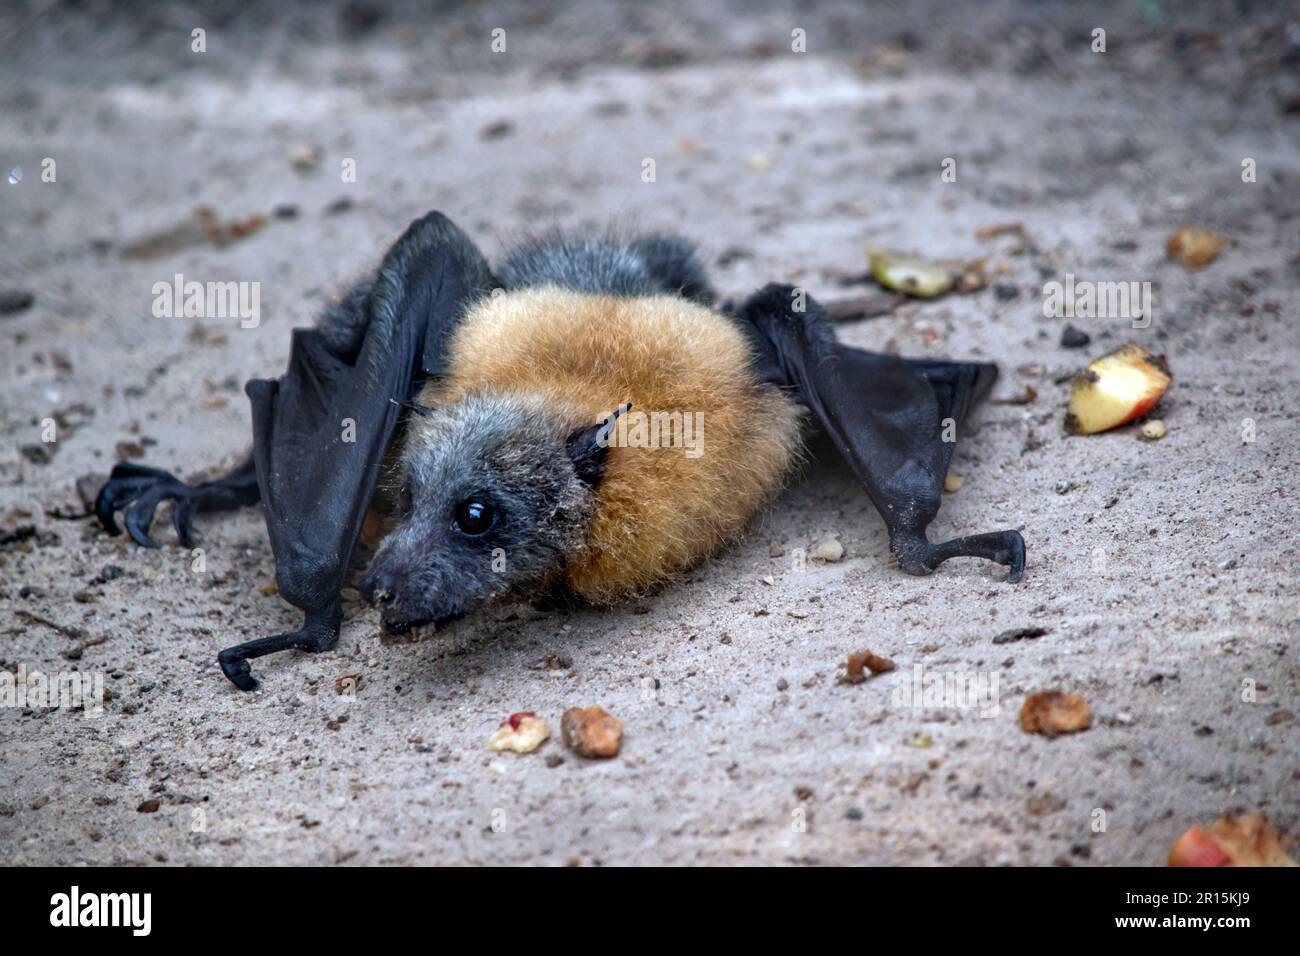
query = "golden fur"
x=657 y=511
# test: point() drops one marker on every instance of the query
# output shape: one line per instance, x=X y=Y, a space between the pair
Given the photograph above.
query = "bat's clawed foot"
x=916 y=555
x=237 y=669
x=320 y=632
x=139 y=490
x=1011 y=552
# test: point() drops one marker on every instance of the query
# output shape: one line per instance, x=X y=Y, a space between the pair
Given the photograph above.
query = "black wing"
x=320 y=431
x=894 y=420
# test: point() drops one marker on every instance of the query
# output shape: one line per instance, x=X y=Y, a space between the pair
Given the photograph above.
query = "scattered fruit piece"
x=1197 y=848
x=910 y=274
x=827 y=549
x=1194 y=247
x=1153 y=430
x=952 y=483
x=1054 y=712
x=523 y=733
x=1116 y=389
x=1231 y=841
x=591 y=732
x=864 y=660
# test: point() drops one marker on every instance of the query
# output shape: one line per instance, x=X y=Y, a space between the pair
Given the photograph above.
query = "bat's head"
x=494 y=493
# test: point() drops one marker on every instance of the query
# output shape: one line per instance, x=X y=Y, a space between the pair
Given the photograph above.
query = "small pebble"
x=1153 y=430
x=15 y=300
x=1072 y=338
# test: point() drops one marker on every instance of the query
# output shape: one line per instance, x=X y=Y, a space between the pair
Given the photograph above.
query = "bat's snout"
x=379 y=589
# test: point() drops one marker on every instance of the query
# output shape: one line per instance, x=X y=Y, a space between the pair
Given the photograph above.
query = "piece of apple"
x=1231 y=841
x=1116 y=389
x=1194 y=247
x=909 y=274
x=1197 y=848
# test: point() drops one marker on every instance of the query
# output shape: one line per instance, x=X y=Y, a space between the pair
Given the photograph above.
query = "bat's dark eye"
x=404 y=498
x=474 y=517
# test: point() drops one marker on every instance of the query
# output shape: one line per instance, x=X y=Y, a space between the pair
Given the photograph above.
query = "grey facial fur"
x=506 y=452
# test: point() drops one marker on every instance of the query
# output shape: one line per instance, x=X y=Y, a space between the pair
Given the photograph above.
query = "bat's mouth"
x=416 y=629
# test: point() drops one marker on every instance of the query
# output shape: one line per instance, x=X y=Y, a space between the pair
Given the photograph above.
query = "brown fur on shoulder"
x=657 y=511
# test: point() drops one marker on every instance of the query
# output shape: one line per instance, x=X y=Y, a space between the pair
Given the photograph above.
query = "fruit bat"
x=581 y=421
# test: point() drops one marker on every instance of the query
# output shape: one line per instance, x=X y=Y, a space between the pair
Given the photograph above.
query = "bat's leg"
x=143 y=489
x=320 y=632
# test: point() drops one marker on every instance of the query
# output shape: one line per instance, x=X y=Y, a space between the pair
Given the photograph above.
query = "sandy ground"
x=1165 y=575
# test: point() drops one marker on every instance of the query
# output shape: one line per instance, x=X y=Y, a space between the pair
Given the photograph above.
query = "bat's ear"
x=588 y=446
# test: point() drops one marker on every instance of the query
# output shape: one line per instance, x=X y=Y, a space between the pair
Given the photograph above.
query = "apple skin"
x=1116 y=389
x=1231 y=841
x=1197 y=848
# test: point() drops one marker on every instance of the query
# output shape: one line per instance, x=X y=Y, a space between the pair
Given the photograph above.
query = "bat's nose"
x=379 y=588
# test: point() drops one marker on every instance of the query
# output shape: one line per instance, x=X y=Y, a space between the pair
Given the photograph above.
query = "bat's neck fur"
x=559 y=360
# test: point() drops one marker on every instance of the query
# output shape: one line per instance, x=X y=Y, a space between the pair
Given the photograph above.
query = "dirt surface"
x=1164 y=573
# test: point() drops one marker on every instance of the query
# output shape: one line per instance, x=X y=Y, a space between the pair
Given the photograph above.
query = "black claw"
x=140 y=515
x=104 y=509
x=139 y=490
x=182 y=515
x=140 y=536
x=126 y=469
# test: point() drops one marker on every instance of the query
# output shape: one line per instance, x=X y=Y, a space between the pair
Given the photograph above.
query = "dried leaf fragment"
x=864 y=660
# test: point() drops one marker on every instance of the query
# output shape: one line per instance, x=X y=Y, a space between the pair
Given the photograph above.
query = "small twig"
x=67 y=630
